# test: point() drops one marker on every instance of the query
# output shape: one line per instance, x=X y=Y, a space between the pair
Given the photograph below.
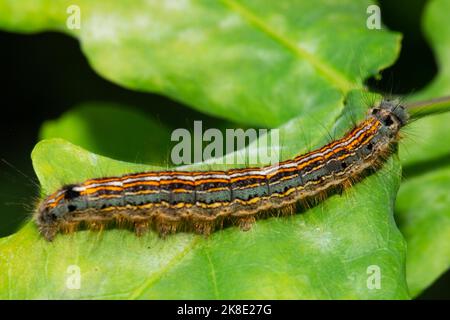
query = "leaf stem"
x=424 y=108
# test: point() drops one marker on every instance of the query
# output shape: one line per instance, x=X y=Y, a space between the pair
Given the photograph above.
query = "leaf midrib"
x=323 y=68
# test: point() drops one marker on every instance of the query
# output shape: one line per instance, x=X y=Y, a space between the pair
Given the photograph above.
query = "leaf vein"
x=327 y=71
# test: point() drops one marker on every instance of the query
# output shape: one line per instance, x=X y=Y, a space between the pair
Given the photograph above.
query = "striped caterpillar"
x=203 y=201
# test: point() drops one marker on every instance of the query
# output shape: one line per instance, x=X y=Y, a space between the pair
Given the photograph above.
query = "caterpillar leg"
x=165 y=228
x=97 y=226
x=141 y=228
x=69 y=227
x=246 y=223
x=48 y=231
x=204 y=227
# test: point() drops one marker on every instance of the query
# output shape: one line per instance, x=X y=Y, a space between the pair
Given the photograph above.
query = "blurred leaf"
x=423 y=213
x=422 y=208
x=240 y=60
x=112 y=130
x=323 y=253
x=426 y=140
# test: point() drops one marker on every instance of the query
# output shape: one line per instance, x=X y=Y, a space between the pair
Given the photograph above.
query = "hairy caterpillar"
x=203 y=201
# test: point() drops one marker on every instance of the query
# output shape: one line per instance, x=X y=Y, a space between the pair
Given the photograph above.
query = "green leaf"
x=423 y=213
x=422 y=208
x=240 y=60
x=116 y=131
x=323 y=253
x=286 y=63
x=67 y=163
x=426 y=140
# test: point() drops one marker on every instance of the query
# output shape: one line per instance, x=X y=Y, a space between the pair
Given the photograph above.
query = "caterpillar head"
x=57 y=205
x=391 y=114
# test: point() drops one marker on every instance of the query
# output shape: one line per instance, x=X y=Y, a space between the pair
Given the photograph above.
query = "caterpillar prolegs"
x=204 y=201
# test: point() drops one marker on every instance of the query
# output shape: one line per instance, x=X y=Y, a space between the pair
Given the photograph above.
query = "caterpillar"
x=204 y=201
